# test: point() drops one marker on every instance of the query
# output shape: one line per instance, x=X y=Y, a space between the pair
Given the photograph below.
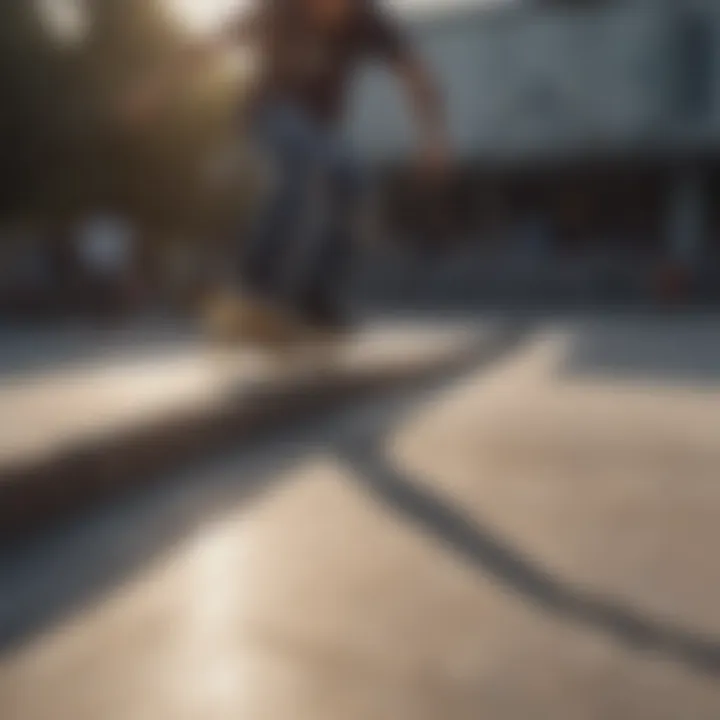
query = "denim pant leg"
x=289 y=144
x=328 y=272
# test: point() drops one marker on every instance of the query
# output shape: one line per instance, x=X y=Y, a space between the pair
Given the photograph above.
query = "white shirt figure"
x=105 y=245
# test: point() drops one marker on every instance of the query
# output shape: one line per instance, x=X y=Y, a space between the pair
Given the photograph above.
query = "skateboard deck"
x=234 y=319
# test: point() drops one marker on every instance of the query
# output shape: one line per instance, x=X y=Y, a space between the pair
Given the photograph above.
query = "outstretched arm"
x=428 y=108
x=424 y=96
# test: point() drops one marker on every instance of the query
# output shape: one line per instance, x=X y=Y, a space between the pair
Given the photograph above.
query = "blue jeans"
x=299 y=248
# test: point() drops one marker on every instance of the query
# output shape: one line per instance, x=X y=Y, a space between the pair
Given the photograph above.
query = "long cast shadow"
x=43 y=580
x=516 y=571
x=161 y=517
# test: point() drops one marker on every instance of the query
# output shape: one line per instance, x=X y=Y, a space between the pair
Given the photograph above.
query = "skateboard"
x=233 y=319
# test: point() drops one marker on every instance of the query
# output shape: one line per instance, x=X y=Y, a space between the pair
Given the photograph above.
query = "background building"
x=600 y=121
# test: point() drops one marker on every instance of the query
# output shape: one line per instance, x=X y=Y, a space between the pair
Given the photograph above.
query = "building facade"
x=602 y=117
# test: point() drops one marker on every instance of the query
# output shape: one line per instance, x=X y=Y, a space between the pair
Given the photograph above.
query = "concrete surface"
x=534 y=539
x=122 y=382
x=79 y=426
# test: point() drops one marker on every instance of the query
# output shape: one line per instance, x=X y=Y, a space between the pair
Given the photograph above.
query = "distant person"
x=308 y=52
x=105 y=245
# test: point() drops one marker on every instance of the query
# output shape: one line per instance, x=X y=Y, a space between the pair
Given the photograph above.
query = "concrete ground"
x=533 y=539
x=61 y=389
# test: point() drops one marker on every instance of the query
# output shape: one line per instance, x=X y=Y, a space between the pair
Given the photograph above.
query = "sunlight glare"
x=204 y=16
x=66 y=20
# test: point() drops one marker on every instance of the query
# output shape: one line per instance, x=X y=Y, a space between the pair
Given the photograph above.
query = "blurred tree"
x=63 y=146
x=30 y=71
x=155 y=172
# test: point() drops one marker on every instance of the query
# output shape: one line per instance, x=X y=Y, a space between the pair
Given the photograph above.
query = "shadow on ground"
x=48 y=577
x=45 y=583
x=517 y=571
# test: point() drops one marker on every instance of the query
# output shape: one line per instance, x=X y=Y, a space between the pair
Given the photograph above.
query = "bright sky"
x=66 y=18
x=203 y=15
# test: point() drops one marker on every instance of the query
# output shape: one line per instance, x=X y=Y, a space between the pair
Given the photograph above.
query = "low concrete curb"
x=38 y=492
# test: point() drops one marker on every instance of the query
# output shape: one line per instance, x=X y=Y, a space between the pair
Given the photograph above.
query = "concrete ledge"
x=44 y=488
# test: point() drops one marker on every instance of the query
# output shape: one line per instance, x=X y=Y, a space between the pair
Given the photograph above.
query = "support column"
x=687 y=214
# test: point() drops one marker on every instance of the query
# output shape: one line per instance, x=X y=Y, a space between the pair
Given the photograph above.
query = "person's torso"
x=310 y=65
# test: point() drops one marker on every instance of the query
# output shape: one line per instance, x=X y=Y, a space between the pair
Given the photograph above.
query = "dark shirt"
x=310 y=65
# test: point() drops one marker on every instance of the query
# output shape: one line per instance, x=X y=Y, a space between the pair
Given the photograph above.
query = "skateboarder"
x=308 y=52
